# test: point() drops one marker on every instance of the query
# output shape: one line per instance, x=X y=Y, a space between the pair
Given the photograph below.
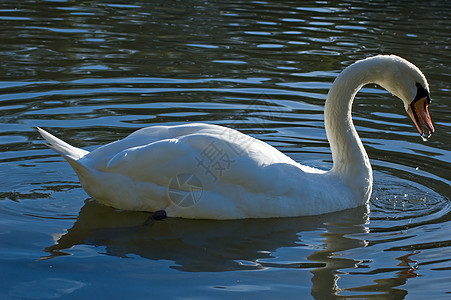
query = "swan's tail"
x=73 y=156
x=69 y=152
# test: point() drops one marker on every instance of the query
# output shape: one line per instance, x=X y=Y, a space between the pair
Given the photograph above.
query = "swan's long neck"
x=350 y=161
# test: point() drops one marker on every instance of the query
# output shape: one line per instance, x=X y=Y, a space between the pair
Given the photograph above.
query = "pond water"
x=92 y=72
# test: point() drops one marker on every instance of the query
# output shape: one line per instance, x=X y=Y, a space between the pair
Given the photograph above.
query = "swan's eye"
x=421 y=93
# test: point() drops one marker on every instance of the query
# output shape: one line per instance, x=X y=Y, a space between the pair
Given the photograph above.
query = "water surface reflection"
x=218 y=246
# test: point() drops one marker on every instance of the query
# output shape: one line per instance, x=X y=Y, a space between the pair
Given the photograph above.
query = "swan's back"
x=249 y=179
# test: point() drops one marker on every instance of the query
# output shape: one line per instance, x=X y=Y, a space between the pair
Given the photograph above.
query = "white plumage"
x=214 y=172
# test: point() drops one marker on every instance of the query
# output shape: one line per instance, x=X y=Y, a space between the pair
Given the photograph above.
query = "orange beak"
x=418 y=112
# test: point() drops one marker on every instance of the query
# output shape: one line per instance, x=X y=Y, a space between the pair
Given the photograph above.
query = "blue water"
x=93 y=72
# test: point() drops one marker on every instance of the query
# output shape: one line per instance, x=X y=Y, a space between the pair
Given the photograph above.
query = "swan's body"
x=213 y=172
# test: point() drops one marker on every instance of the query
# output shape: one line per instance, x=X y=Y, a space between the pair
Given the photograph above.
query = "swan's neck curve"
x=350 y=161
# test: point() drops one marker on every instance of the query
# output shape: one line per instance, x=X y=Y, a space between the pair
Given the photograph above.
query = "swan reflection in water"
x=218 y=246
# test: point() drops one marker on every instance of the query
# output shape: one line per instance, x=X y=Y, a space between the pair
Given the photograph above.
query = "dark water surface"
x=94 y=71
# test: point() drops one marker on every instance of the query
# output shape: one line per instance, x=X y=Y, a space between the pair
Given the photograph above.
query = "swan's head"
x=404 y=80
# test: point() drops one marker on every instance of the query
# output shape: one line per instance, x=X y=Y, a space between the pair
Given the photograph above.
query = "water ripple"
x=94 y=72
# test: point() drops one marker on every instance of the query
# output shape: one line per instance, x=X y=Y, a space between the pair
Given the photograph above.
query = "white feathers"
x=62 y=147
x=213 y=172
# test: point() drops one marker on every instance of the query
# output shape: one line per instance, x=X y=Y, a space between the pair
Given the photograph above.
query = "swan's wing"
x=214 y=154
x=144 y=137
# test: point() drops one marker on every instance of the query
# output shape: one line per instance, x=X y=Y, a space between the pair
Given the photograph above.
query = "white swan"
x=211 y=172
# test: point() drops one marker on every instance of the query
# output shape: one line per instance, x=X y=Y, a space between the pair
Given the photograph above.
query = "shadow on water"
x=218 y=246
